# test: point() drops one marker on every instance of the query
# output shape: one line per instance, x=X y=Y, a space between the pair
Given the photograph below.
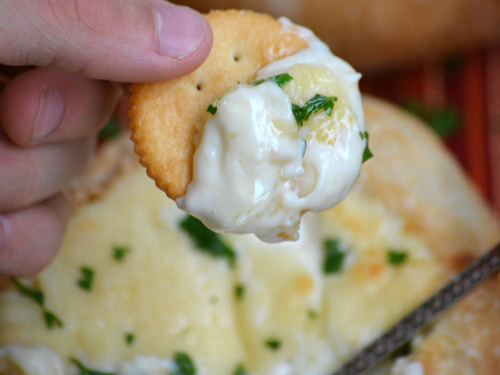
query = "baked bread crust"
x=454 y=221
x=466 y=340
x=445 y=210
x=167 y=116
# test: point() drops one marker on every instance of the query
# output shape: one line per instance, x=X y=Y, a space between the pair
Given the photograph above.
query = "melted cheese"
x=175 y=298
x=33 y=359
x=256 y=170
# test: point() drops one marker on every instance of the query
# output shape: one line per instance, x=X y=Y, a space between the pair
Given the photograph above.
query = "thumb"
x=119 y=40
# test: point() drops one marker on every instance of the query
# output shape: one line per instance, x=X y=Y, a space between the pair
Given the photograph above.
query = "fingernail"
x=50 y=113
x=180 y=30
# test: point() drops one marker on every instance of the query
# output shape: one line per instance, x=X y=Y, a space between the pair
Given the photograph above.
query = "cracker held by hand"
x=270 y=127
x=166 y=117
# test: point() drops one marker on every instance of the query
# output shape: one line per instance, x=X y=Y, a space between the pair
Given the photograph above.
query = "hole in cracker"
x=198 y=86
x=237 y=58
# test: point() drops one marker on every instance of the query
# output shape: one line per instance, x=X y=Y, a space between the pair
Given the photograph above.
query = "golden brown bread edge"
x=376 y=36
x=453 y=219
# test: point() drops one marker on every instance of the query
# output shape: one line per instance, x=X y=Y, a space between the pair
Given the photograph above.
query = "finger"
x=30 y=238
x=48 y=105
x=119 y=40
x=29 y=175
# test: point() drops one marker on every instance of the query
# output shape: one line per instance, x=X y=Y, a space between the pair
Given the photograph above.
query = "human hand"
x=49 y=116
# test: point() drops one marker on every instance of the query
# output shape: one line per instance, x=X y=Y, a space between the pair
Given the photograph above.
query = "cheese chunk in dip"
x=290 y=142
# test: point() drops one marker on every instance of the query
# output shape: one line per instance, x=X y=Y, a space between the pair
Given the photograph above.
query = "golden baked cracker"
x=165 y=116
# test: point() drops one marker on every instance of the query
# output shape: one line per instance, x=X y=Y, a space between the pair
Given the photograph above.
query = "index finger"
x=119 y=40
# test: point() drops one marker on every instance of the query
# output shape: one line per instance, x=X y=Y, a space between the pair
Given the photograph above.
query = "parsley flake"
x=317 y=103
x=87 y=277
x=312 y=314
x=87 y=371
x=129 y=338
x=297 y=113
x=110 y=130
x=273 y=344
x=184 y=365
x=367 y=154
x=396 y=257
x=51 y=320
x=258 y=82
x=280 y=79
x=119 y=252
x=208 y=241
x=239 y=291
x=32 y=293
x=212 y=109
x=304 y=147
x=240 y=370
x=334 y=257
x=312 y=106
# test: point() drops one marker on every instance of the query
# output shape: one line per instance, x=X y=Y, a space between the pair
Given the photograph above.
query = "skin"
x=78 y=55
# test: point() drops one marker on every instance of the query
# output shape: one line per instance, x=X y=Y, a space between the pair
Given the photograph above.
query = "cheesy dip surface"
x=142 y=288
x=291 y=141
x=291 y=308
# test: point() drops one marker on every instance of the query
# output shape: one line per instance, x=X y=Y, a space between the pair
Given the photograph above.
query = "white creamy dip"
x=404 y=366
x=256 y=170
x=34 y=359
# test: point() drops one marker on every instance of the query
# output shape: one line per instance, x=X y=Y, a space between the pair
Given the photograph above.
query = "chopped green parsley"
x=87 y=371
x=280 y=79
x=258 y=82
x=239 y=291
x=51 y=320
x=184 y=365
x=314 y=105
x=207 y=240
x=129 y=338
x=312 y=314
x=32 y=293
x=212 y=109
x=240 y=370
x=119 y=252
x=87 y=276
x=110 y=130
x=317 y=103
x=334 y=257
x=297 y=113
x=396 y=257
x=367 y=154
x=273 y=344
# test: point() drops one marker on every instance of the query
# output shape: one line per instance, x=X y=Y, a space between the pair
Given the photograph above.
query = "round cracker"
x=166 y=116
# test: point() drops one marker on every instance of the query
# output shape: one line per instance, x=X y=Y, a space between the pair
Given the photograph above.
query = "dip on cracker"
x=279 y=130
